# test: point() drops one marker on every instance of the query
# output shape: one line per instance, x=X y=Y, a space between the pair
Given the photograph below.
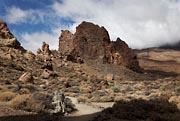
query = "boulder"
x=27 y=78
x=110 y=77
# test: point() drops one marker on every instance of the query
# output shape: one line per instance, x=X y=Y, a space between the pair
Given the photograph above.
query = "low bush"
x=20 y=101
x=26 y=102
x=116 y=89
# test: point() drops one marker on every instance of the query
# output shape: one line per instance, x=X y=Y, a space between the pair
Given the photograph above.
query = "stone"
x=27 y=78
x=92 y=42
x=110 y=77
x=66 y=42
x=47 y=74
x=120 y=54
x=45 y=49
x=48 y=66
x=29 y=55
x=39 y=51
x=44 y=53
x=7 y=39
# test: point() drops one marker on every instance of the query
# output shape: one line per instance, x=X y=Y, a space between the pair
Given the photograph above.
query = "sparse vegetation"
x=31 y=102
x=116 y=89
x=94 y=82
x=7 y=96
x=20 y=101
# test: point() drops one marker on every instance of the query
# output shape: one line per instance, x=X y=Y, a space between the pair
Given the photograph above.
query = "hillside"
x=89 y=68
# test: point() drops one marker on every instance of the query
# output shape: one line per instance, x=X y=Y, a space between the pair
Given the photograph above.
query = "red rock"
x=66 y=42
x=92 y=42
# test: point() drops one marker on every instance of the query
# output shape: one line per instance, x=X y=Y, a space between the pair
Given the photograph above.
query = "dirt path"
x=86 y=112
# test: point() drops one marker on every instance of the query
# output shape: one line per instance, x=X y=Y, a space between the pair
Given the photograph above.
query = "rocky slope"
x=10 y=47
x=102 y=72
x=91 y=42
x=162 y=60
x=7 y=39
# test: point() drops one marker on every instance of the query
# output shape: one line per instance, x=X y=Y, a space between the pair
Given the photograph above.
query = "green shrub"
x=116 y=89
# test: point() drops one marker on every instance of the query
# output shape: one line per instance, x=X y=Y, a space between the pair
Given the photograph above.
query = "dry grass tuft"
x=7 y=96
x=20 y=101
x=26 y=102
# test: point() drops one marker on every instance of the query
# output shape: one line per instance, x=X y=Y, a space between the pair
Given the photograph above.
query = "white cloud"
x=141 y=23
x=16 y=15
x=33 y=41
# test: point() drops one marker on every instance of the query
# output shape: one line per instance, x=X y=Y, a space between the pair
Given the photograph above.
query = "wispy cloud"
x=141 y=23
x=16 y=15
x=33 y=41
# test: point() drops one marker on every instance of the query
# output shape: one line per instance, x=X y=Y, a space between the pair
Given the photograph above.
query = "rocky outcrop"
x=10 y=47
x=44 y=50
x=7 y=39
x=92 y=42
x=120 y=54
x=44 y=53
x=66 y=42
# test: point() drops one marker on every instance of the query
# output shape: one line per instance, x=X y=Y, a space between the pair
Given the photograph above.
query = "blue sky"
x=141 y=23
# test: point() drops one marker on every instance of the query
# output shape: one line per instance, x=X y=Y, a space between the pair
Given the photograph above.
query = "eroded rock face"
x=44 y=50
x=120 y=54
x=44 y=53
x=66 y=42
x=10 y=47
x=92 y=42
x=7 y=38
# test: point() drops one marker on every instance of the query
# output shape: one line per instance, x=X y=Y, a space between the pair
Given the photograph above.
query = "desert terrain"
x=102 y=80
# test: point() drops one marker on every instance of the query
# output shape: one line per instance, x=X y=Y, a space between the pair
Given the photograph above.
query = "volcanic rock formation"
x=91 y=42
x=44 y=50
x=10 y=47
x=7 y=39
